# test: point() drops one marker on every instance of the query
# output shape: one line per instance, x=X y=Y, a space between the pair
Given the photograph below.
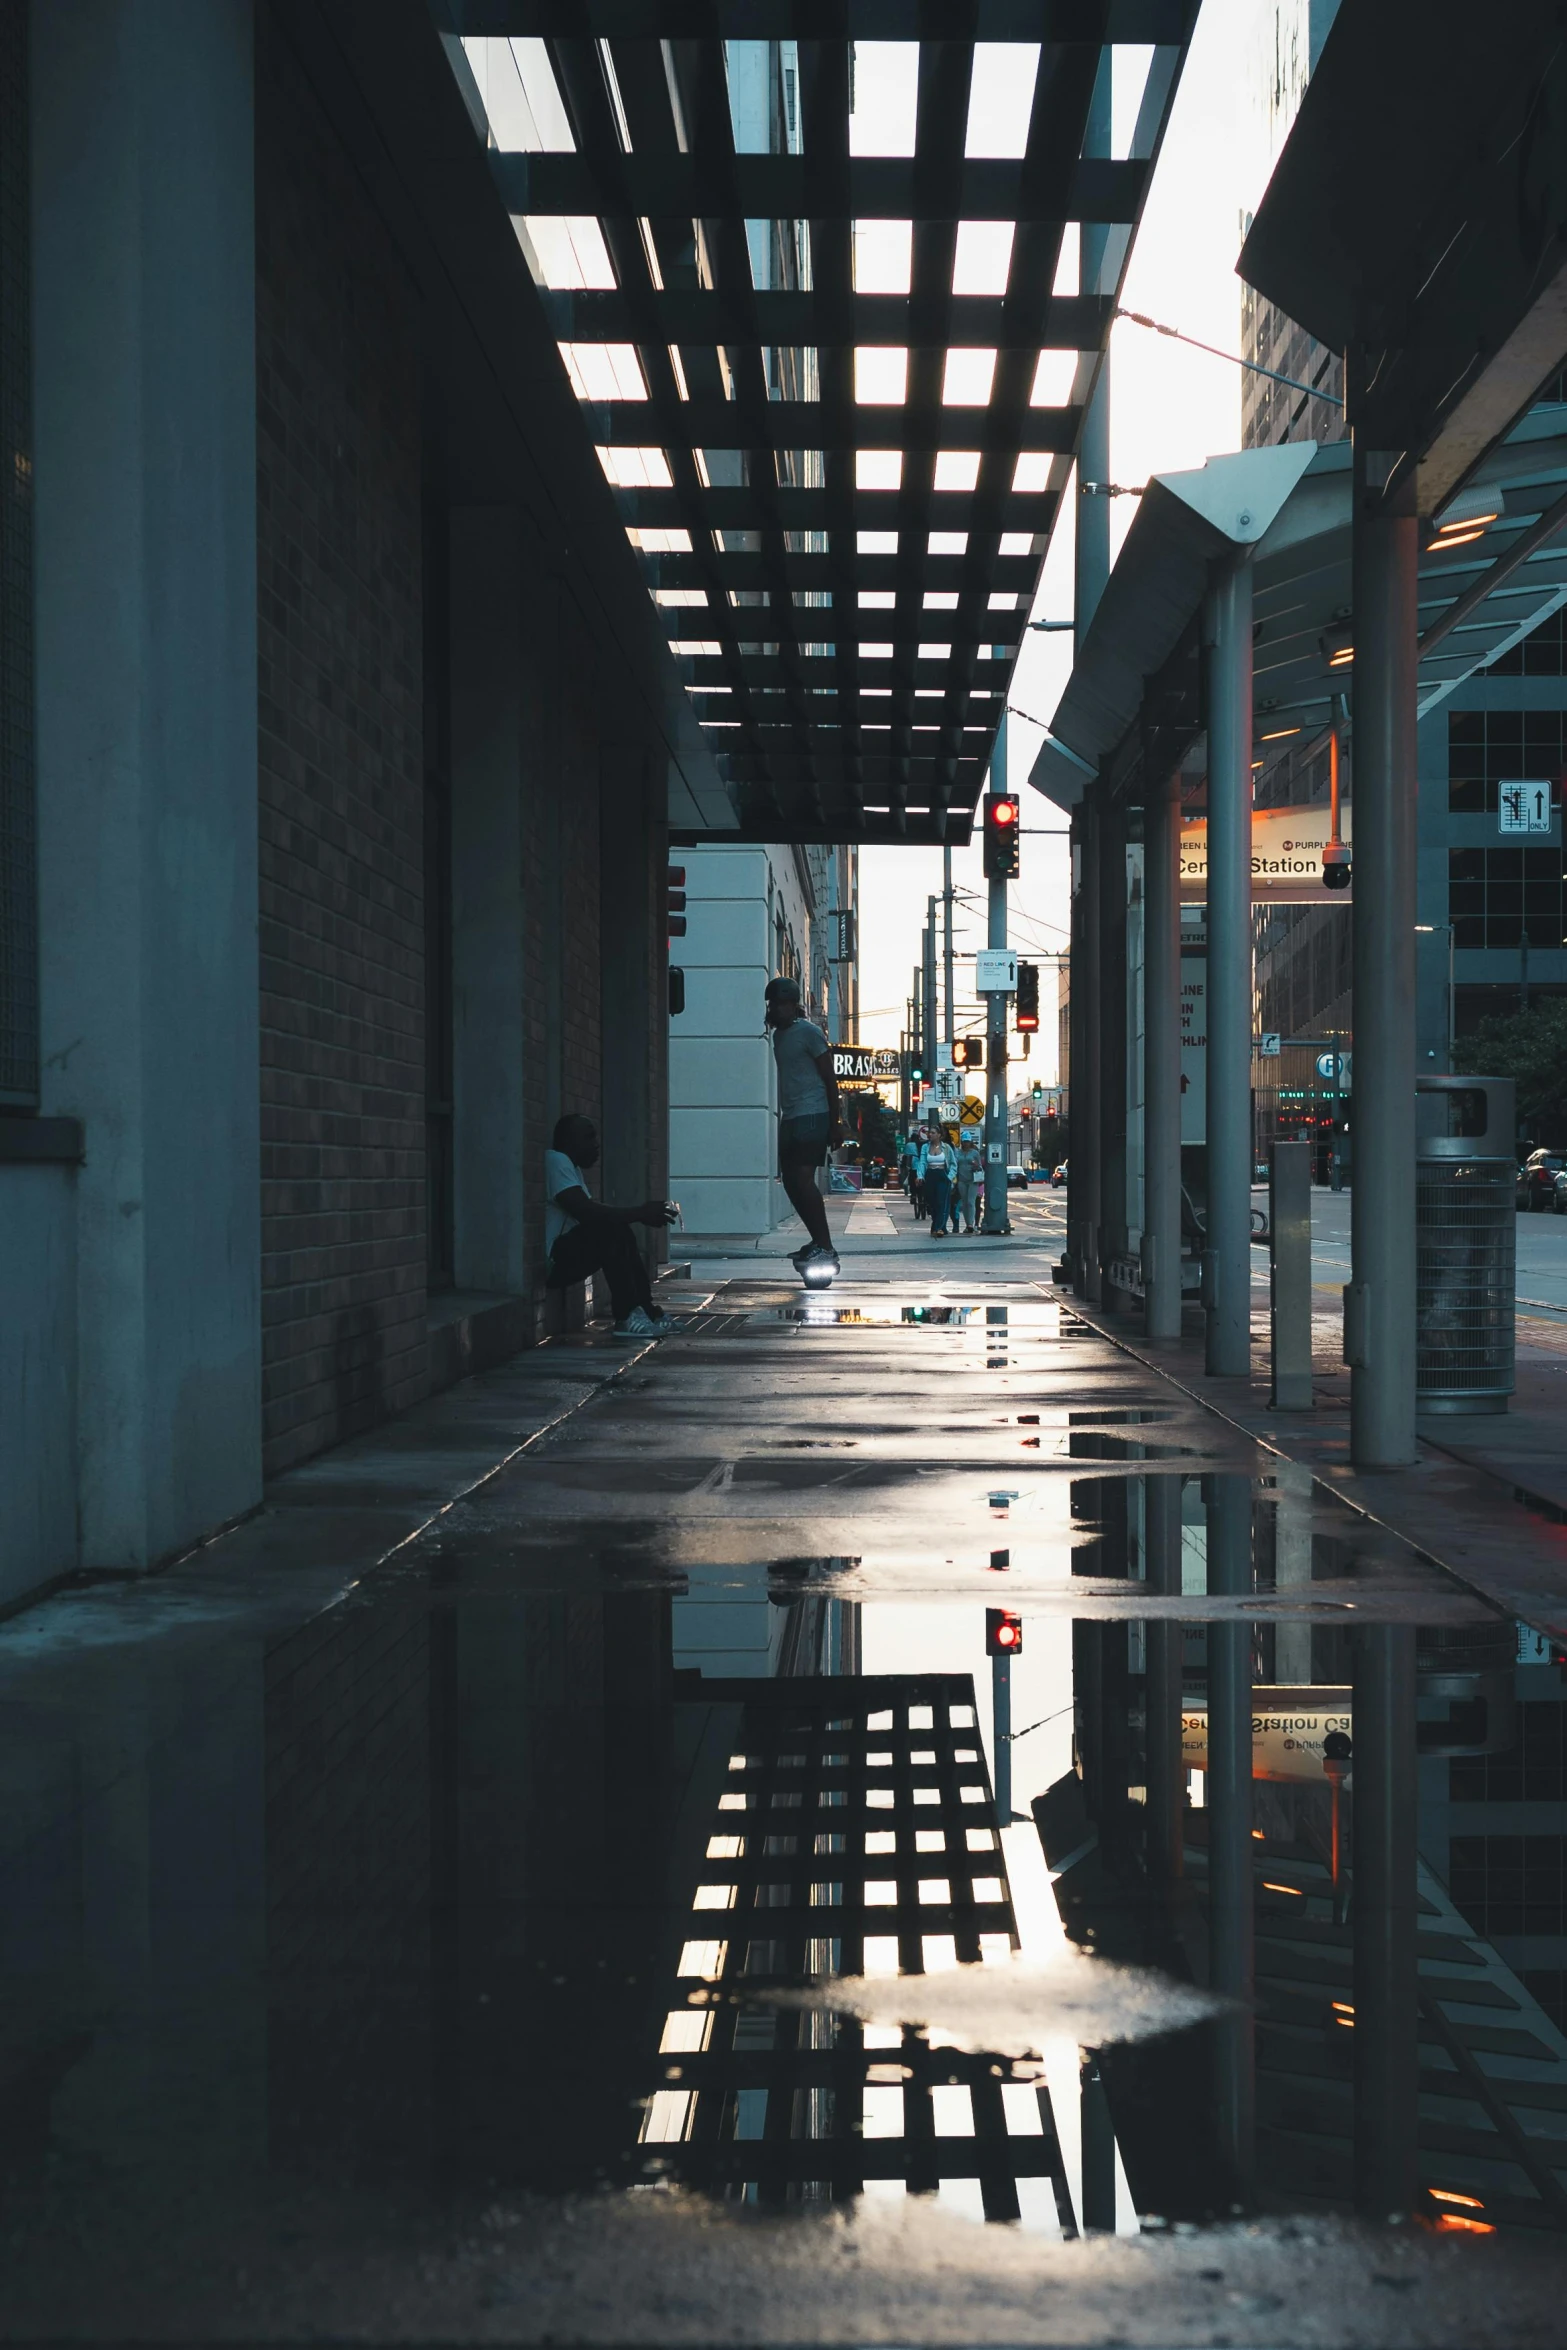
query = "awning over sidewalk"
x=1491 y=569
x=832 y=305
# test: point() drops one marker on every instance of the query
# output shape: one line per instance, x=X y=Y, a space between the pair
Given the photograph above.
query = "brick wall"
x=562 y=1016
x=342 y=1016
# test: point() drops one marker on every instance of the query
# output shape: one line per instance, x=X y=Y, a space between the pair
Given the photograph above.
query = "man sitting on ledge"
x=584 y=1235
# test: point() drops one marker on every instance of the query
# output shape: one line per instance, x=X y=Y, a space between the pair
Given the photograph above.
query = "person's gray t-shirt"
x=797 y=1049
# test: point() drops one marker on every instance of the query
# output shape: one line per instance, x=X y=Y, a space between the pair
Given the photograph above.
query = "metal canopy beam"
x=1159 y=21
x=781 y=187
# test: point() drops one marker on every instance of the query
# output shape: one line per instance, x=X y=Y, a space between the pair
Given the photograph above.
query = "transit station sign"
x=1286 y=858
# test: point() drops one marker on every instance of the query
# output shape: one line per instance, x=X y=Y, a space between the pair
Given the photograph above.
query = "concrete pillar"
x=1227 y=637
x=1379 y=1304
x=1162 y=1059
x=1231 y=1895
x=492 y=1130
x=145 y=399
x=1386 y=1971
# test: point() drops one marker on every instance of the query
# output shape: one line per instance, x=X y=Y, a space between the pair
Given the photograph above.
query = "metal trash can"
x=1465 y=1243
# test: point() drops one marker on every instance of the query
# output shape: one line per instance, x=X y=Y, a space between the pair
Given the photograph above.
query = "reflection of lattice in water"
x=855 y=1834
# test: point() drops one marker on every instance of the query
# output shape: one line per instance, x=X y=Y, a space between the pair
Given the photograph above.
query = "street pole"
x=946 y=904
x=997 y=1218
x=930 y=980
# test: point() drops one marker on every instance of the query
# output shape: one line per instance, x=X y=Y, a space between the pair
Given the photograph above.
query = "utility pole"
x=946 y=901
x=930 y=978
x=997 y=1216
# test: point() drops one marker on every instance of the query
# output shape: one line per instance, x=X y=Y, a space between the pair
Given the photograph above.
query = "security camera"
x=1335 y=865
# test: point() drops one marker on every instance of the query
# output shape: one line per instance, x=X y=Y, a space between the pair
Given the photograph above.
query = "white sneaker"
x=639 y=1323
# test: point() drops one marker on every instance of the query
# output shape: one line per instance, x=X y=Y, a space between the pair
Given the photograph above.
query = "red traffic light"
x=1003 y=1632
x=1002 y=813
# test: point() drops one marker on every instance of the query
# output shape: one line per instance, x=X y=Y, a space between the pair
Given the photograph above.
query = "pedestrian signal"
x=969 y=1053
x=1002 y=813
x=1027 y=1004
x=1003 y=1632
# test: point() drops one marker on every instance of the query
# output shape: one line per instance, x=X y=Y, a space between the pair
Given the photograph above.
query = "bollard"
x=1289 y=1241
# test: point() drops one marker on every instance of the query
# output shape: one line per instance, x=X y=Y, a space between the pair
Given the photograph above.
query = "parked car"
x=1058 y=1176
x=1017 y=1176
x=1537 y=1180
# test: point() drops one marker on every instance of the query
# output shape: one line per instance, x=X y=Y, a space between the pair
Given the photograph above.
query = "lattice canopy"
x=832 y=296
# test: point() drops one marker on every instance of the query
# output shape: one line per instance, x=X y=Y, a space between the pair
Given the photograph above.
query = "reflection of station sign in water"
x=1287 y=1730
x=860 y=1064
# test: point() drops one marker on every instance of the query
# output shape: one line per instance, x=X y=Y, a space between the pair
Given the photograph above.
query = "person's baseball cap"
x=783 y=991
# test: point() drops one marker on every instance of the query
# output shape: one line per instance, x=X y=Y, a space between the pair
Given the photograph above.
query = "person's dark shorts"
x=802 y=1142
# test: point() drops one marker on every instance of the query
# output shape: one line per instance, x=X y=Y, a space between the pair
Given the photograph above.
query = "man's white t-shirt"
x=560 y=1174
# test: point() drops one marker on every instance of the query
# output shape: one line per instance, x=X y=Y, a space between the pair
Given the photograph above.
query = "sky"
x=1170 y=408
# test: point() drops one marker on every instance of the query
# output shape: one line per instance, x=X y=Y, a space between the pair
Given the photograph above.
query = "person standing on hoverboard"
x=810 y=1118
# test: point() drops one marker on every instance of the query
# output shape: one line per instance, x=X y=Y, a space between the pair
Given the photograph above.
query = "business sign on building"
x=1286 y=858
x=863 y=1064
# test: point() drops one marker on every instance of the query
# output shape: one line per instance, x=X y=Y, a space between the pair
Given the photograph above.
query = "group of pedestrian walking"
x=942 y=1183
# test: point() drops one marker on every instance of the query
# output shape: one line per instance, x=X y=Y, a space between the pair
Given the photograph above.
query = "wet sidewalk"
x=574 y=1869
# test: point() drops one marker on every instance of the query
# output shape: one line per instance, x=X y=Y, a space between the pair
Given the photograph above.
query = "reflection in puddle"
x=679 y=1848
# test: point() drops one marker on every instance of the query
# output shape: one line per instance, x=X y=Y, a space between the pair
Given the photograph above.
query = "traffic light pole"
x=946 y=901
x=997 y=1216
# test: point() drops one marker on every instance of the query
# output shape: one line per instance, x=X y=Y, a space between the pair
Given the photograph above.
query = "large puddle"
x=888 y=1757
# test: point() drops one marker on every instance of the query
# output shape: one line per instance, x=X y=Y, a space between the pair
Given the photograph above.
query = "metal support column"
x=1162 y=1060
x=1227 y=1257
x=1112 y=1039
x=1231 y=1896
x=928 y=984
x=1379 y=1304
x=1164 y=1641
x=1387 y=1979
x=1085 y=1191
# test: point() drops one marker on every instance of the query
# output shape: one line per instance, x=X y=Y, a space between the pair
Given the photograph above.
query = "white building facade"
x=753 y=912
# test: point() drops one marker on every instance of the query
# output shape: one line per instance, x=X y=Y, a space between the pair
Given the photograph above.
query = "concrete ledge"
x=32 y=1141
x=470 y=1331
